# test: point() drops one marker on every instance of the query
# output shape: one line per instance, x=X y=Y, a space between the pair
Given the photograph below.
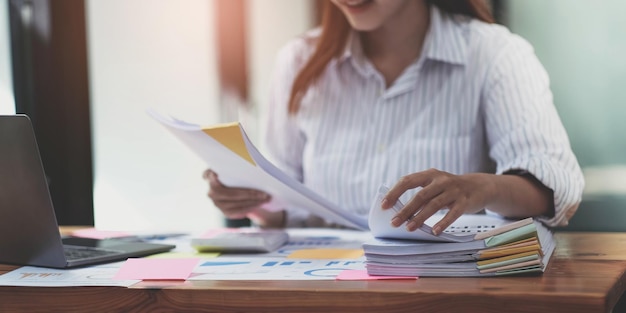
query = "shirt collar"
x=447 y=38
x=445 y=41
x=353 y=52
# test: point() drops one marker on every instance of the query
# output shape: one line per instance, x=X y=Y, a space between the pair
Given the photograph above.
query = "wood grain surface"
x=587 y=273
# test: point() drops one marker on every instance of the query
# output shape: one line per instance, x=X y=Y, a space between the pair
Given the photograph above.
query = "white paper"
x=101 y=275
x=234 y=170
x=276 y=265
x=261 y=268
x=462 y=230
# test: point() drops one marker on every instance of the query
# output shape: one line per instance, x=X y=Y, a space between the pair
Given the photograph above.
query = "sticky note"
x=326 y=254
x=156 y=269
x=363 y=275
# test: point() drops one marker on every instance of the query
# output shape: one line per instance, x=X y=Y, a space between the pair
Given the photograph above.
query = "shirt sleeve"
x=524 y=129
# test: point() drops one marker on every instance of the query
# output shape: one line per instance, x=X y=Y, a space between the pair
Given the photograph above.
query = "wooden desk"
x=586 y=274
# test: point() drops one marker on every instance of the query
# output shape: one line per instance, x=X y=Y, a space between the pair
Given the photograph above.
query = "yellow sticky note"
x=326 y=254
x=230 y=136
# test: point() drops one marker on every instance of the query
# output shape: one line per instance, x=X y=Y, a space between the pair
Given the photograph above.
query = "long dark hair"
x=335 y=30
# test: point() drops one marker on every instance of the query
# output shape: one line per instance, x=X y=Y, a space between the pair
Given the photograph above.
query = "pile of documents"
x=524 y=249
x=474 y=245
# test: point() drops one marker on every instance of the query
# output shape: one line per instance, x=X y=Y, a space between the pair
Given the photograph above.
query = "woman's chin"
x=364 y=26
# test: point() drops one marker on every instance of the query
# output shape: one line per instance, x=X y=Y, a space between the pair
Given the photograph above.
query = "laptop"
x=29 y=231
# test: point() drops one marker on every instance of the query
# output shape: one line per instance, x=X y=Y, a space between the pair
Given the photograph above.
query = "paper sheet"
x=464 y=229
x=227 y=150
x=101 y=275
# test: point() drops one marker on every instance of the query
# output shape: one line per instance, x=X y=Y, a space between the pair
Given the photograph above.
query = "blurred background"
x=87 y=70
x=582 y=44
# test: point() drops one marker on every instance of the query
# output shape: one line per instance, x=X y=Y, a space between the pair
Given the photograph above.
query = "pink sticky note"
x=99 y=234
x=363 y=275
x=156 y=269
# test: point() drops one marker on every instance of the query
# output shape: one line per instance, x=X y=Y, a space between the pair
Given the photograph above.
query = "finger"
x=411 y=181
x=213 y=179
x=414 y=206
x=230 y=205
x=206 y=173
x=222 y=193
x=218 y=191
x=428 y=209
x=238 y=209
x=453 y=214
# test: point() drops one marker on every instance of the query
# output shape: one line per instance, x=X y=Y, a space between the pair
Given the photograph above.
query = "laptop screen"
x=29 y=232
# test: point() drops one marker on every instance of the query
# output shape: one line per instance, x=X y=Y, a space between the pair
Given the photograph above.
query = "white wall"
x=272 y=23
x=158 y=54
x=7 y=102
x=161 y=54
x=582 y=45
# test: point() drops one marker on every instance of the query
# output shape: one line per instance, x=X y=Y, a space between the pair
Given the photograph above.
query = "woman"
x=431 y=97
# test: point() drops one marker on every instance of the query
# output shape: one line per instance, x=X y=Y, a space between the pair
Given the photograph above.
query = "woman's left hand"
x=460 y=194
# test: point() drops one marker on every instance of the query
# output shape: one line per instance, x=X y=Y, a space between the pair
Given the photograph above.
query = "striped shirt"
x=476 y=100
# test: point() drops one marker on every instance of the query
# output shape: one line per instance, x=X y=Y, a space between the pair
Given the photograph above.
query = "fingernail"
x=411 y=226
x=396 y=221
x=436 y=230
x=383 y=203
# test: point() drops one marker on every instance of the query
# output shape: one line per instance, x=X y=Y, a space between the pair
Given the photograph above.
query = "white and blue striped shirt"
x=477 y=100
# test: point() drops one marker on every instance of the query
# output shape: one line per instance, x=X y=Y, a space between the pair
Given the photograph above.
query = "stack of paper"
x=228 y=151
x=475 y=245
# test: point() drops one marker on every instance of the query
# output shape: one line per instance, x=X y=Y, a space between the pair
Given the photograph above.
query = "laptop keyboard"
x=77 y=253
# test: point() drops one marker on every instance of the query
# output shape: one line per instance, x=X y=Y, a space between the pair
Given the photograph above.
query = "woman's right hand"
x=238 y=203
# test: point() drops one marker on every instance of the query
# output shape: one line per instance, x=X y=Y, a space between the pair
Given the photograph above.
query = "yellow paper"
x=487 y=254
x=230 y=136
x=506 y=258
x=326 y=254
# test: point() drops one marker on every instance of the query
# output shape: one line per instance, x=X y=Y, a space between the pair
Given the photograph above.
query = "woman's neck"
x=398 y=43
